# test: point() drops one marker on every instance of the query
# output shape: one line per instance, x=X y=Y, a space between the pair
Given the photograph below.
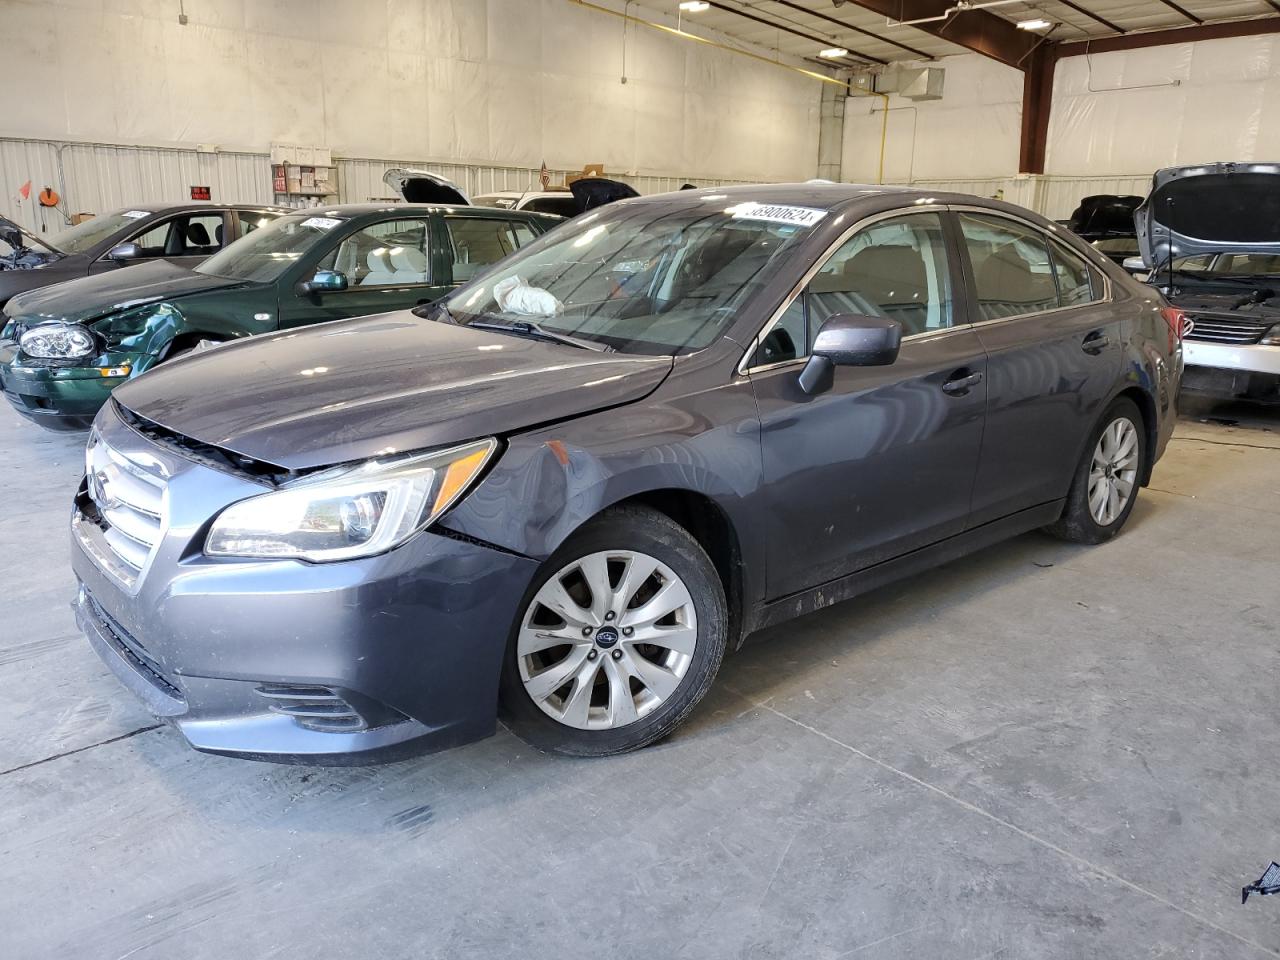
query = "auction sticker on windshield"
x=778 y=213
x=321 y=223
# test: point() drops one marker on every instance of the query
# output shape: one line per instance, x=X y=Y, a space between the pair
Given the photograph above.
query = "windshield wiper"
x=527 y=328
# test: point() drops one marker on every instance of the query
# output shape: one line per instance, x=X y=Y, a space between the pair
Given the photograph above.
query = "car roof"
x=352 y=210
x=157 y=208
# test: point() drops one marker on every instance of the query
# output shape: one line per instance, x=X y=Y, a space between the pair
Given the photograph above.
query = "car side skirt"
x=926 y=558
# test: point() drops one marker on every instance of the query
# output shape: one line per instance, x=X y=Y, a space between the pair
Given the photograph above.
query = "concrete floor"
x=1040 y=751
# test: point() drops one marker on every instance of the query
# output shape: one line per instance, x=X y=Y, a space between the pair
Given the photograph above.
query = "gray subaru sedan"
x=564 y=492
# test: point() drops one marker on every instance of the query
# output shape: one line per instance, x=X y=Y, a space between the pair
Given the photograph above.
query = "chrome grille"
x=1235 y=330
x=129 y=502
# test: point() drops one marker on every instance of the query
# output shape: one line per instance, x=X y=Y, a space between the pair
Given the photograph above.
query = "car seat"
x=380 y=272
x=410 y=265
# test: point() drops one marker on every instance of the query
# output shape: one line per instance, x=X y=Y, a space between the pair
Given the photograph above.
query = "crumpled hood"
x=355 y=389
x=1212 y=208
x=88 y=298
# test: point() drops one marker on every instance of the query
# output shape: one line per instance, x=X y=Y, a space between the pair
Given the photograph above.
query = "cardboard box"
x=284 y=153
x=293 y=185
x=80 y=218
x=306 y=156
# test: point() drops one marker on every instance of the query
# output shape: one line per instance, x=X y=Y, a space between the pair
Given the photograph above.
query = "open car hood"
x=1212 y=208
x=423 y=186
x=1104 y=217
x=593 y=192
x=25 y=249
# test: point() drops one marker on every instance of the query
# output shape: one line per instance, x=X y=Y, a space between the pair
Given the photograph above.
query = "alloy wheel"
x=607 y=640
x=1113 y=471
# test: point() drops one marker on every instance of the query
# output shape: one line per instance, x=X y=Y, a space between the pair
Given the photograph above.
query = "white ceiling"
x=1129 y=15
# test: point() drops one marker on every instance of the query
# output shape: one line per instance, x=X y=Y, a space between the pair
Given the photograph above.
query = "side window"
x=1075 y=283
x=251 y=220
x=896 y=268
x=476 y=243
x=188 y=235
x=391 y=253
x=787 y=340
x=1012 y=272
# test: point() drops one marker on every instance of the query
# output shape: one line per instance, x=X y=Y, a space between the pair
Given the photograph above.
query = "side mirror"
x=1134 y=265
x=850 y=340
x=325 y=281
x=125 y=251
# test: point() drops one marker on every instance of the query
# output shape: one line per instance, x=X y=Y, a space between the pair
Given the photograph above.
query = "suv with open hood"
x=1210 y=237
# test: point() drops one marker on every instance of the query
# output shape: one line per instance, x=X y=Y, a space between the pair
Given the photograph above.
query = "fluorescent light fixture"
x=694 y=6
x=832 y=53
x=1040 y=23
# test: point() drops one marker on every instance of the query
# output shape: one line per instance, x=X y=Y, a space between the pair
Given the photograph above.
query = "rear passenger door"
x=882 y=463
x=1054 y=354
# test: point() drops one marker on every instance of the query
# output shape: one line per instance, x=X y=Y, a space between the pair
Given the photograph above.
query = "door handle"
x=1095 y=343
x=960 y=383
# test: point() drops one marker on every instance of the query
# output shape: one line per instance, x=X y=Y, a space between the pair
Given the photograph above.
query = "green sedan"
x=63 y=348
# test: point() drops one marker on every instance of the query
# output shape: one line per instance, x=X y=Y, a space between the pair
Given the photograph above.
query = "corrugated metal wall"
x=93 y=178
x=97 y=177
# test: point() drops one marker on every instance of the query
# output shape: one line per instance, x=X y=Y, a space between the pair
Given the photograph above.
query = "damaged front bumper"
x=63 y=397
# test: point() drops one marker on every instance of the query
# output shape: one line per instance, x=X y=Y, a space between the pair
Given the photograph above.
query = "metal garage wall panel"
x=93 y=178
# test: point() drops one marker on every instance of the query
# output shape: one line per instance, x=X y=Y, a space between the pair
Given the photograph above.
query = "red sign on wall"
x=201 y=193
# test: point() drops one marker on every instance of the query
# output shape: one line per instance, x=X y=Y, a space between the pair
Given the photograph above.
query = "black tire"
x=640 y=529
x=1077 y=523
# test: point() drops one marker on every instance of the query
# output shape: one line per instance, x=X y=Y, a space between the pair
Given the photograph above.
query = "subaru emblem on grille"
x=1187 y=326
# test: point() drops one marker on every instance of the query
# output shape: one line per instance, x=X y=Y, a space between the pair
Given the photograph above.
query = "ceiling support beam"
x=977 y=30
x=849 y=26
x=1160 y=38
x=1182 y=12
x=1093 y=16
x=820 y=41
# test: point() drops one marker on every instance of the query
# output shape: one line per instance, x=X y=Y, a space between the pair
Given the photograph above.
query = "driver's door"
x=884 y=461
x=387 y=266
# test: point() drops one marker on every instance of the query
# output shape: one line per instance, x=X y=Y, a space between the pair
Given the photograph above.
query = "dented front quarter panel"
x=699 y=432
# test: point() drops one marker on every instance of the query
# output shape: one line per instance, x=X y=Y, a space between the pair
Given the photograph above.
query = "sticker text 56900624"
x=778 y=213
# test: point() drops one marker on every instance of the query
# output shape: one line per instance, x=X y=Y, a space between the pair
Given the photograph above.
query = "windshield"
x=83 y=237
x=1211 y=265
x=269 y=251
x=640 y=278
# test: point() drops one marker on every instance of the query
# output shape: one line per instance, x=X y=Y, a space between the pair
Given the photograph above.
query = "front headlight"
x=349 y=512
x=1272 y=337
x=57 y=341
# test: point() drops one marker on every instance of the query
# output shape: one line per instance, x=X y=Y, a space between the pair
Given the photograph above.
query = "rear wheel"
x=1105 y=485
x=618 y=640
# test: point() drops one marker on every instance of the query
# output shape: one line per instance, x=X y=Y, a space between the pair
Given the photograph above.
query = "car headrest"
x=408 y=260
x=378 y=261
x=197 y=235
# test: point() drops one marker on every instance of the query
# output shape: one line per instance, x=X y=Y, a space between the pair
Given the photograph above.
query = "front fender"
x=549 y=482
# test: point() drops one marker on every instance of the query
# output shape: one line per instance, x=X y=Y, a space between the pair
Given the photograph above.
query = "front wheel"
x=1105 y=485
x=620 y=637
